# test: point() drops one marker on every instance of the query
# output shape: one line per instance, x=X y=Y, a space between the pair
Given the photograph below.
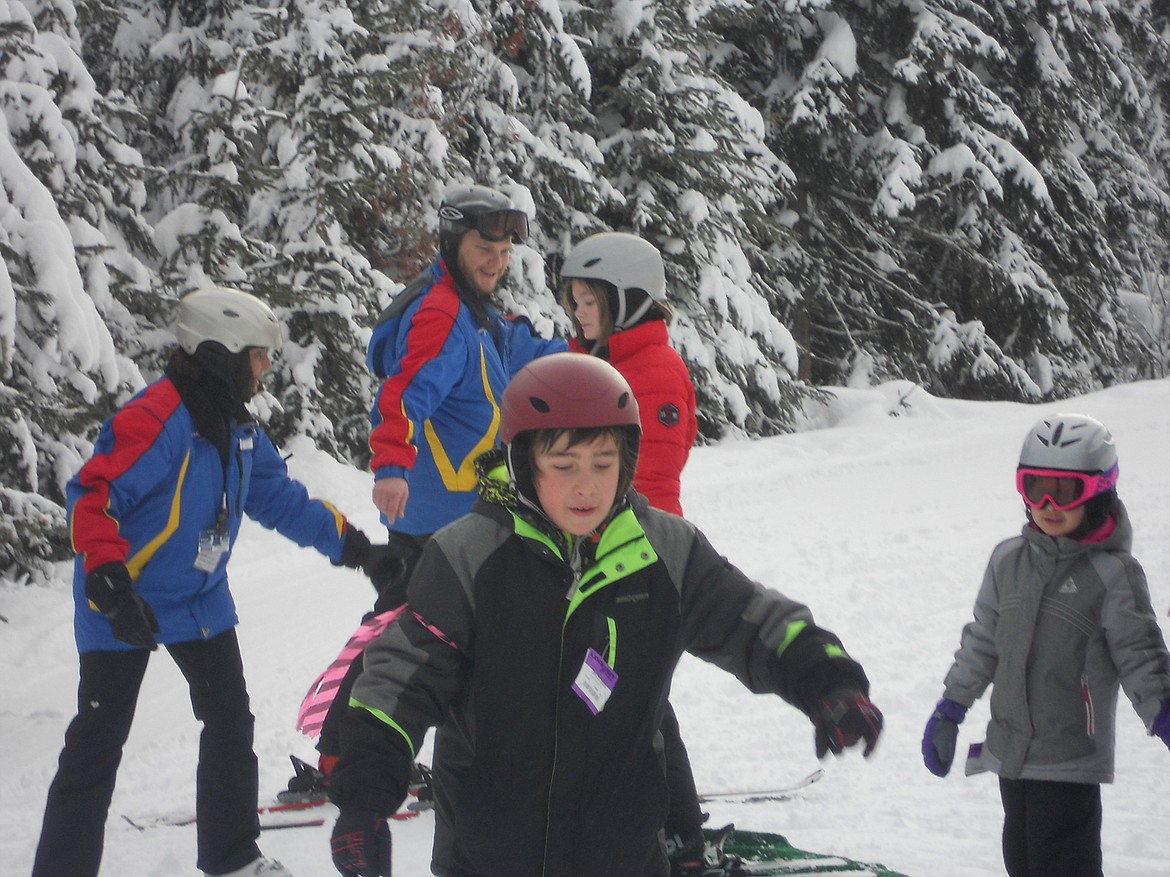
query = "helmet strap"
x=624 y=298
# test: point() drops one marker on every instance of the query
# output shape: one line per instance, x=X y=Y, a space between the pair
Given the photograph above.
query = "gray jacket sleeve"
x=976 y=659
x=1133 y=636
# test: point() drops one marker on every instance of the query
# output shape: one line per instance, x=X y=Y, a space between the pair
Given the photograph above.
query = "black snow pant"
x=684 y=819
x=226 y=780
x=1051 y=829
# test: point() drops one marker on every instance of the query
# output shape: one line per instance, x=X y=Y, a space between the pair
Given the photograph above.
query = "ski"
x=267 y=823
x=285 y=814
x=300 y=823
x=779 y=793
x=307 y=788
x=763 y=854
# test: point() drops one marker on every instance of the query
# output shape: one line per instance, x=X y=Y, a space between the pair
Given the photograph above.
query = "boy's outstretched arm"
x=833 y=690
x=769 y=642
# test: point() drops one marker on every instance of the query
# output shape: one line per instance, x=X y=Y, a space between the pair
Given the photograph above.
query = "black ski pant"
x=1051 y=829
x=684 y=817
x=226 y=782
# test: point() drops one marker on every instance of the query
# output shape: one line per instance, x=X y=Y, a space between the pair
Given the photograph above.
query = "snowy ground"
x=882 y=524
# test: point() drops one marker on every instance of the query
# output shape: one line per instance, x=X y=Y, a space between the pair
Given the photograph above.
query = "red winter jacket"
x=666 y=399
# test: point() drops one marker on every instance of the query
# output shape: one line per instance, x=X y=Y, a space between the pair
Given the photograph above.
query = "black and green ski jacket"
x=503 y=612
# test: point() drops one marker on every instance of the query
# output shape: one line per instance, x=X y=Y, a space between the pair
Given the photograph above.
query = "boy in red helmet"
x=542 y=632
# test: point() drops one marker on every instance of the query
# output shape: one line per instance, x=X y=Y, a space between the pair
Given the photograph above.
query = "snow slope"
x=882 y=523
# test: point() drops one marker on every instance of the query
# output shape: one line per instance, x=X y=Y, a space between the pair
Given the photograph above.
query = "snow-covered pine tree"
x=1089 y=83
x=288 y=139
x=949 y=227
x=687 y=155
x=545 y=125
x=355 y=146
x=69 y=189
x=833 y=115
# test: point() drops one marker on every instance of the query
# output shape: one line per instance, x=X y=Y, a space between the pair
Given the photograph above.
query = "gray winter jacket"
x=1058 y=626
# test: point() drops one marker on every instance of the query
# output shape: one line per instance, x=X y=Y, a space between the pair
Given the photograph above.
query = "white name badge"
x=595 y=682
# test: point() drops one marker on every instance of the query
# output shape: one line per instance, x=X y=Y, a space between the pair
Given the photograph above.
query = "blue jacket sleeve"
x=525 y=345
x=279 y=502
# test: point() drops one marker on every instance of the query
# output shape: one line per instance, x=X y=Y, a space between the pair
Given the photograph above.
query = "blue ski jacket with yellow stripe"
x=438 y=407
x=152 y=486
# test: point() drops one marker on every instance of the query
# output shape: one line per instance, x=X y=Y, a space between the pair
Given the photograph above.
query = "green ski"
x=764 y=853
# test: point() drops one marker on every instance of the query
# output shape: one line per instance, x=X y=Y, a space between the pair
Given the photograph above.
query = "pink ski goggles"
x=1063 y=488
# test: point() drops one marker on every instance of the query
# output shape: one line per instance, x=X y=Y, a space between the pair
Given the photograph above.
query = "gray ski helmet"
x=485 y=210
x=1075 y=442
x=233 y=318
x=626 y=262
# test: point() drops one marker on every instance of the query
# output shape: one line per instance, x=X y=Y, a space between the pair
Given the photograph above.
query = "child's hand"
x=1162 y=724
x=844 y=718
x=938 y=740
x=361 y=843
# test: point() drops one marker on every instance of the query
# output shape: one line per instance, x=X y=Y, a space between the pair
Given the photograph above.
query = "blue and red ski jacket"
x=152 y=487
x=438 y=407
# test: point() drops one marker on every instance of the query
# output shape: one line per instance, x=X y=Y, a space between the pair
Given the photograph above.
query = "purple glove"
x=361 y=843
x=1162 y=723
x=938 y=740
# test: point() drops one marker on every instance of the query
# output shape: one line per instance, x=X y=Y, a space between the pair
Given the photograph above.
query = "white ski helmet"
x=1074 y=442
x=624 y=261
x=233 y=318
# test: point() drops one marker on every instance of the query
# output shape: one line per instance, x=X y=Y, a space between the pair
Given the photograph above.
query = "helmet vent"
x=1057 y=434
x=539 y=404
x=1075 y=442
x=623 y=400
x=591 y=262
x=228 y=312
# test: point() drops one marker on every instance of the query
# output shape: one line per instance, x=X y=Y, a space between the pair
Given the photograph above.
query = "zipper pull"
x=575 y=566
x=573 y=583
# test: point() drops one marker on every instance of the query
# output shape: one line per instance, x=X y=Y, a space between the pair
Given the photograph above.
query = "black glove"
x=386 y=567
x=844 y=718
x=355 y=548
x=361 y=843
x=131 y=619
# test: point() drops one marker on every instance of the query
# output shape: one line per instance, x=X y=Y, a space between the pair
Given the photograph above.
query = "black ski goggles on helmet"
x=501 y=225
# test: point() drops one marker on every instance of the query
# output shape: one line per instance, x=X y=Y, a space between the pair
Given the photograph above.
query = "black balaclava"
x=214 y=384
x=629 y=307
x=1097 y=512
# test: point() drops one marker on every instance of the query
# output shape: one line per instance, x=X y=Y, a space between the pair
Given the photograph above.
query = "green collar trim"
x=622 y=551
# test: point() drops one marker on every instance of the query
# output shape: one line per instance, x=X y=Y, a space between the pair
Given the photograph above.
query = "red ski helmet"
x=567 y=391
